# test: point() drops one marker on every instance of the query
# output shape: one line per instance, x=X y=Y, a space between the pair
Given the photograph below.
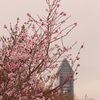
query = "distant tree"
x=26 y=61
x=84 y=98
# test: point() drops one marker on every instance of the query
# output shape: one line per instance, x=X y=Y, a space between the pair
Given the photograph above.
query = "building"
x=64 y=70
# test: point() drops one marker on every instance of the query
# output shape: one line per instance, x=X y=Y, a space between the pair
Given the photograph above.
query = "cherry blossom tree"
x=27 y=61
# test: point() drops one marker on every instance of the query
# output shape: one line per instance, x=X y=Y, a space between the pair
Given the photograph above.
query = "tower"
x=64 y=70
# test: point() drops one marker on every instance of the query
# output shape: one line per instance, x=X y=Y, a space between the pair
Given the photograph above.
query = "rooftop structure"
x=64 y=70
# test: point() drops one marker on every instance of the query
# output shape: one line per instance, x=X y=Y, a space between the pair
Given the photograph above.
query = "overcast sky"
x=87 y=14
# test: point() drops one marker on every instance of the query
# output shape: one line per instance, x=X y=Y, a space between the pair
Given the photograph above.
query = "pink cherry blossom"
x=63 y=21
x=56 y=13
x=28 y=15
x=59 y=27
x=61 y=13
x=56 y=31
x=46 y=10
x=75 y=24
x=5 y=26
x=9 y=93
x=69 y=55
x=39 y=85
x=49 y=22
x=52 y=67
x=16 y=27
x=55 y=38
x=42 y=24
x=46 y=31
x=56 y=45
x=40 y=19
x=64 y=48
x=64 y=14
x=46 y=80
x=35 y=73
x=50 y=10
x=58 y=5
x=1 y=97
x=10 y=75
x=33 y=26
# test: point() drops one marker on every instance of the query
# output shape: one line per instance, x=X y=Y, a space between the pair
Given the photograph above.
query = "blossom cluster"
x=26 y=60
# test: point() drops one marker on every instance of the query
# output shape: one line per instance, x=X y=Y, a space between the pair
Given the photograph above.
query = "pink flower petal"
x=75 y=24
x=5 y=26
x=28 y=15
